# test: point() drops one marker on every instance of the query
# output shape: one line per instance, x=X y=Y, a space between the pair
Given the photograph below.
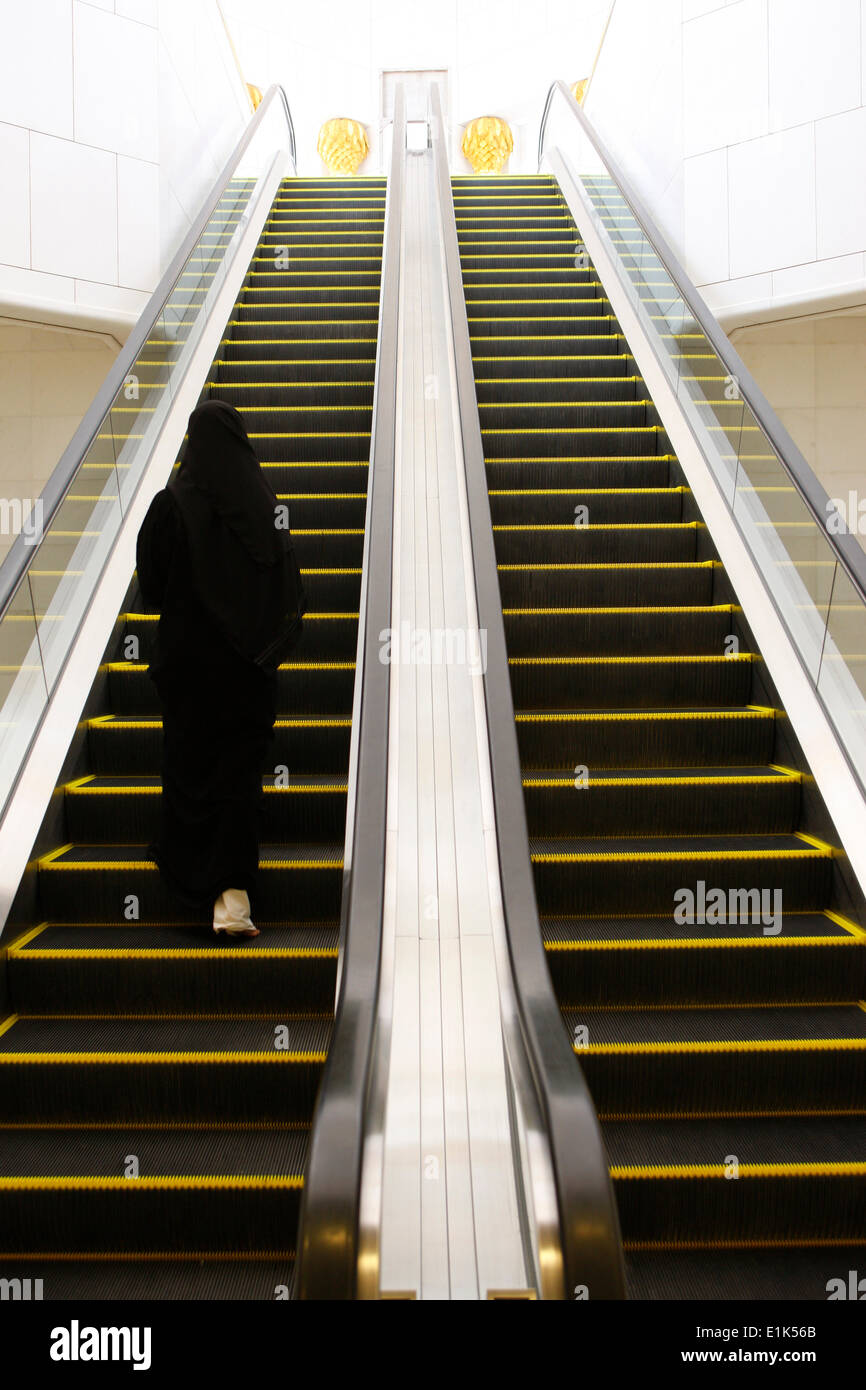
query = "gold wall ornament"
x=578 y=90
x=343 y=145
x=255 y=95
x=487 y=143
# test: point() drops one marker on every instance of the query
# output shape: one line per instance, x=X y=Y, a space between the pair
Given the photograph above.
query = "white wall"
x=743 y=124
x=501 y=56
x=114 y=119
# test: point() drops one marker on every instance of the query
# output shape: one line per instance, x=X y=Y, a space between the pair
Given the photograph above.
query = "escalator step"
x=122 y=967
x=180 y=1069
x=639 y=960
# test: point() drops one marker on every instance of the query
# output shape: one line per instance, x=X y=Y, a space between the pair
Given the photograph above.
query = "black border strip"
x=844 y=544
x=329 y=1230
x=589 y=1225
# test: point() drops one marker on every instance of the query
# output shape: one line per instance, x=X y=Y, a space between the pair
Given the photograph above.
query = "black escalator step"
x=590 y=506
x=227 y=1185
x=277 y=394
x=546 y=346
x=313 y=446
x=190 y=1275
x=645 y=1061
x=319 y=476
x=740 y=1179
x=129 y=967
x=287 y=325
x=97 y=883
x=782 y=1272
x=306 y=688
x=304 y=371
x=493 y=390
x=684 y=583
x=587 y=470
x=485 y=328
x=618 y=631
x=338 y=301
x=634 y=961
x=315 y=743
x=217 y=1067
x=526 y=415
x=663 y=801
x=556 y=442
x=325 y=636
x=611 y=543
x=633 y=682
x=645 y=738
x=645 y=874
x=552 y=307
x=518 y=367
x=100 y=810
x=248 y=347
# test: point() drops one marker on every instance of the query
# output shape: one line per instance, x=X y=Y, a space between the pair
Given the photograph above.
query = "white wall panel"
x=814 y=60
x=115 y=83
x=772 y=202
x=725 y=81
x=840 y=153
x=15 y=221
x=73 y=209
x=706 y=216
x=36 y=66
x=137 y=223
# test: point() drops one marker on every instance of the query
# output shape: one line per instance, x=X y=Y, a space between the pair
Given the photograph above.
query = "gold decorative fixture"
x=255 y=95
x=343 y=145
x=487 y=143
x=578 y=90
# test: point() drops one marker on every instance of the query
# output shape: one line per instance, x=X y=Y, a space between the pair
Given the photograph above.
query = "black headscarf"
x=243 y=566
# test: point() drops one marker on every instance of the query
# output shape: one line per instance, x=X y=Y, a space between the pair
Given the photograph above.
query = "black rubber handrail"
x=844 y=543
x=20 y=555
x=329 y=1235
x=589 y=1226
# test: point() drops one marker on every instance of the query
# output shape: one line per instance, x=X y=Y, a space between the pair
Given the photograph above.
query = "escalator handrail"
x=843 y=542
x=328 y=1246
x=17 y=562
x=589 y=1227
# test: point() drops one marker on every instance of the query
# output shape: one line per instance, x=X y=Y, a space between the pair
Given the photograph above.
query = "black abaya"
x=212 y=564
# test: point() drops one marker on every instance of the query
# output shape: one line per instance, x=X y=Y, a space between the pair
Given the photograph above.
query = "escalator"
x=726 y=1058
x=157 y=1083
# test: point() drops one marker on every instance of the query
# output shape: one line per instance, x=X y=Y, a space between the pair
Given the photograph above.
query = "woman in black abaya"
x=215 y=565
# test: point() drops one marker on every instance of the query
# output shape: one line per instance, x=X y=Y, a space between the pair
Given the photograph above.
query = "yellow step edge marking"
x=654 y=780
x=296 y=1016
x=293 y=789
x=126 y=1125
x=602 y=526
x=146 y=865
x=547 y=612
x=769 y=1243
x=110 y=721
x=775 y=1045
x=698 y=943
x=145 y=1256
x=21 y=941
x=7 y=1023
x=578 y=491
x=817 y=844
x=617 y=1116
x=629 y=716
x=614 y=565
x=846 y=924
x=622 y=1172
x=623 y=660
x=578 y=429
x=150 y=1058
x=181 y=953
x=172 y=1183
x=656 y=856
